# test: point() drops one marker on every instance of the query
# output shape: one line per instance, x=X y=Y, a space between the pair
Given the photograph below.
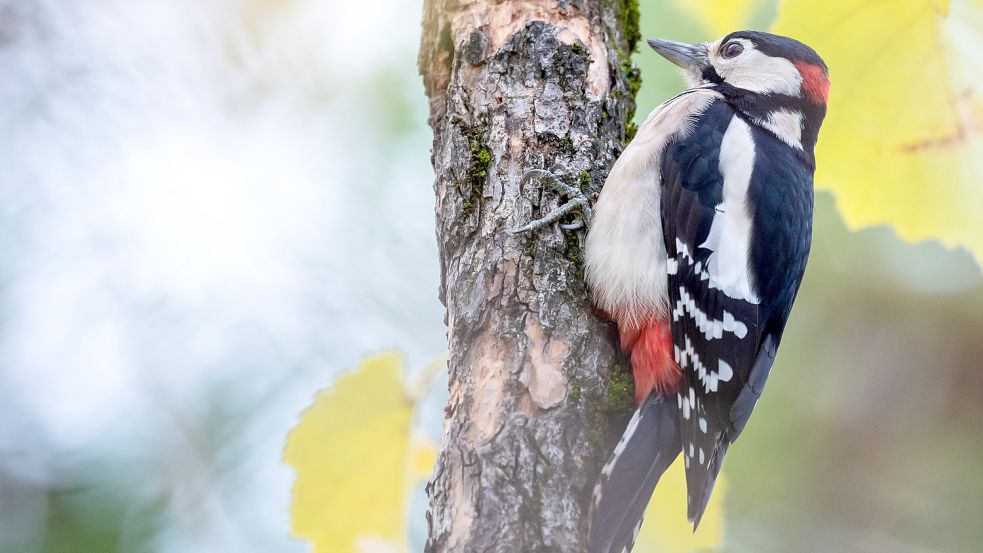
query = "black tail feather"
x=699 y=495
x=650 y=444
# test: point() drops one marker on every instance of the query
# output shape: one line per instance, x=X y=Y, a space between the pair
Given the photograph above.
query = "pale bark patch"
x=489 y=388
x=502 y=20
x=543 y=374
x=463 y=508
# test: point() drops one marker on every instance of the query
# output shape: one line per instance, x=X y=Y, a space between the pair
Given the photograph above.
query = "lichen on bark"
x=513 y=86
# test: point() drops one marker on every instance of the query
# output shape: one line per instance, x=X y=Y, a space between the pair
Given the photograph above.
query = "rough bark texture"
x=538 y=388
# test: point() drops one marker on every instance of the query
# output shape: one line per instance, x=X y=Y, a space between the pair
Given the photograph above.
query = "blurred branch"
x=515 y=86
x=419 y=383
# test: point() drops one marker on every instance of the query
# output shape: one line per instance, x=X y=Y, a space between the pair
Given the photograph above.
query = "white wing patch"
x=730 y=231
x=710 y=379
x=710 y=327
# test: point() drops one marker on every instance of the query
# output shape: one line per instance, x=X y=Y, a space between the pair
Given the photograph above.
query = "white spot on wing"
x=724 y=370
x=683 y=251
x=710 y=328
x=718 y=329
x=733 y=325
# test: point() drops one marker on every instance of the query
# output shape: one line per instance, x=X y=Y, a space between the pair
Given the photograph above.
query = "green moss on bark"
x=633 y=76
x=628 y=20
x=621 y=389
x=575 y=253
x=479 y=161
x=481 y=157
x=583 y=181
x=575 y=391
x=531 y=248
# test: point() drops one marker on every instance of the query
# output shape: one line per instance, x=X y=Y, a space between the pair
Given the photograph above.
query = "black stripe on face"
x=710 y=75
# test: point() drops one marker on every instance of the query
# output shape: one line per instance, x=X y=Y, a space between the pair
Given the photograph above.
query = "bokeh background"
x=212 y=208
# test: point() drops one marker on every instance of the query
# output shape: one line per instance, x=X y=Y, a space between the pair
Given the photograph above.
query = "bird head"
x=775 y=80
x=753 y=62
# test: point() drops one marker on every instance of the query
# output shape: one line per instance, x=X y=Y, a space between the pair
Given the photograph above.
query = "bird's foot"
x=576 y=199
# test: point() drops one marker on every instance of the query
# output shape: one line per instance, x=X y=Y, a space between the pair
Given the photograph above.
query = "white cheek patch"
x=786 y=124
x=757 y=72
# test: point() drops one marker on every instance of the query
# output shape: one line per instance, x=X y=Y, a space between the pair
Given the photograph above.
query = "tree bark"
x=538 y=388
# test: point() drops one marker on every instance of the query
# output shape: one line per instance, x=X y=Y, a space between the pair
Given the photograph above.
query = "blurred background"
x=210 y=209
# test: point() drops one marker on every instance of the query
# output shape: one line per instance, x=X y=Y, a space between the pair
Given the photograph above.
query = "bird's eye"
x=733 y=50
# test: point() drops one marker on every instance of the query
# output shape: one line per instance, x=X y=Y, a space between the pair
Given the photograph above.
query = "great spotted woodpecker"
x=696 y=248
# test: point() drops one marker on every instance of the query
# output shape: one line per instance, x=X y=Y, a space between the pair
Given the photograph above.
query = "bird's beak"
x=691 y=57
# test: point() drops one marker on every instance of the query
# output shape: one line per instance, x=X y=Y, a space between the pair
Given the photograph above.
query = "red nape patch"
x=815 y=81
x=652 y=364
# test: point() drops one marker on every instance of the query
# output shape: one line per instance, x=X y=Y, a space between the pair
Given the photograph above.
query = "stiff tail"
x=699 y=484
x=650 y=444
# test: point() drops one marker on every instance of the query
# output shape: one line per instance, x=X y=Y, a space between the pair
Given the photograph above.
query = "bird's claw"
x=575 y=200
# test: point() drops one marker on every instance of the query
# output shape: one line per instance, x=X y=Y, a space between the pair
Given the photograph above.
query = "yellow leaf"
x=666 y=529
x=356 y=460
x=720 y=17
x=902 y=142
x=423 y=458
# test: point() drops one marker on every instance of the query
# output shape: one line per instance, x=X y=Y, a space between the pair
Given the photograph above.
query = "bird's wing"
x=715 y=316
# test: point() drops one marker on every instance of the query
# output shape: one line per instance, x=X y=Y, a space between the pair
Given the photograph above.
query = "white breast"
x=625 y=253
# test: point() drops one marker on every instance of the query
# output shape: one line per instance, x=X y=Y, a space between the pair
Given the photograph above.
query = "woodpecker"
x=696 y=248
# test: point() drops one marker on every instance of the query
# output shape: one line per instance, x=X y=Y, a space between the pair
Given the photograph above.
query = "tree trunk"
x=538 y=388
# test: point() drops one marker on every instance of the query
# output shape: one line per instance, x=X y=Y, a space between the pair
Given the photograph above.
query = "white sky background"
x=208 y=209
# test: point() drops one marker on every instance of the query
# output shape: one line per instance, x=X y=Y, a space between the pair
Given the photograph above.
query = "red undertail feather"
x=650 y=346
x=815 y=81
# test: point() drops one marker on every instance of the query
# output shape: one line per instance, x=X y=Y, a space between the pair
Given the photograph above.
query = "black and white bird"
x=696 y=248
